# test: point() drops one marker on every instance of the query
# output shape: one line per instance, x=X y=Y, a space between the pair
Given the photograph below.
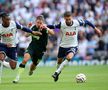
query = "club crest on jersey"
x=70 y=33
x=7 y=35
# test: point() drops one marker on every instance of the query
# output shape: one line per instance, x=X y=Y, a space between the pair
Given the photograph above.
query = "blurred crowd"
x=90 y=45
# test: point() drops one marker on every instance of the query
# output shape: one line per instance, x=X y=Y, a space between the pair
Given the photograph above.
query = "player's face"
x=68 y=20
x=6 y=21
x=39 y=23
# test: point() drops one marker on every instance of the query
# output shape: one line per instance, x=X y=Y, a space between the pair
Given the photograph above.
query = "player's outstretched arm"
x=36 y=34
x=98 y=31
x=28 y=30
x=58 y=26
x=86 y=22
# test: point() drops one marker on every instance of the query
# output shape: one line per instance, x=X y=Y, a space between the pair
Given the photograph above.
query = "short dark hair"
x=67 y=14
x=4 y=14
x=40 y=17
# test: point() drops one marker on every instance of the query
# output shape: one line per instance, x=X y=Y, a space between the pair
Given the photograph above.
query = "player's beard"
x=69 y=23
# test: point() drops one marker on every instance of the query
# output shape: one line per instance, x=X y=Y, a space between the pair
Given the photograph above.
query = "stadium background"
x=92 y=50
x=91 y=47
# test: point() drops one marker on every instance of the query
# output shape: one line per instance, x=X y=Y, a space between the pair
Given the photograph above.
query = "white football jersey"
x=8 y=34
x=69 y=34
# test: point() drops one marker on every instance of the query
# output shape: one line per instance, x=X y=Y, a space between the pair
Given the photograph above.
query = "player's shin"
x=62 y=65
x=59 y=61
x=2 y=58
x=21 y=68
x=1 y=69
x=58 y=66
x=20 y=71
x=33 y=66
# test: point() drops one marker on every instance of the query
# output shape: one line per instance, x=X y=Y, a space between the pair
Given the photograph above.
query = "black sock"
x=22 y=65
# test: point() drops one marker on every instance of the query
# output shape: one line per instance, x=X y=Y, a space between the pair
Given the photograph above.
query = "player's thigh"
x=12 y=53
x=37 y=57
x=61 y=52
x=71 y=52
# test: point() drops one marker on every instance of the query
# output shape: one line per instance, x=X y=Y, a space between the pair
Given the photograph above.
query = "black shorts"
x=63 y=52
x=35 y=54
x=10 y=52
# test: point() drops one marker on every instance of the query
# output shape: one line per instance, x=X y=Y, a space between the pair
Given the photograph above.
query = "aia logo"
x=7 y=35
x=70 y=33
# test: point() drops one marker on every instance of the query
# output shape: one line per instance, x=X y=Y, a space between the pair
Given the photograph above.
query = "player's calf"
x=20 y=71
x=32 y=68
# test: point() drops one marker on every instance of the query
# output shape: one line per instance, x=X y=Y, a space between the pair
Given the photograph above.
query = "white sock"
x=62 y=65
x=6 y=64
x=19 y=73
x=58 y=66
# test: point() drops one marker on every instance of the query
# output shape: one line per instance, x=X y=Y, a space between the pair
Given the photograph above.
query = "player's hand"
x=36 y=33
x=9 y=45
x=43 y=27
x=98 y=31
x=30 y=24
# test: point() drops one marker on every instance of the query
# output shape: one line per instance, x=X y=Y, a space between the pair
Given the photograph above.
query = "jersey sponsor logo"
x=70 y=33
x=7 y=35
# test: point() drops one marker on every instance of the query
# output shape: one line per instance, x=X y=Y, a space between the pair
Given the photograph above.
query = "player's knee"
x=13 y=64
x=13 y=67
x=69 y=59
x=70 y=56
x=26 y=57
x=2 y=56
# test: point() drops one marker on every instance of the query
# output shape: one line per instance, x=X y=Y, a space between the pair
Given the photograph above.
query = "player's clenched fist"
x=43 y=27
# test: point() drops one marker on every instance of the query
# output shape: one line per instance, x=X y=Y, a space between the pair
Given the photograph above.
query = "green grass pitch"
x=97 y=79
